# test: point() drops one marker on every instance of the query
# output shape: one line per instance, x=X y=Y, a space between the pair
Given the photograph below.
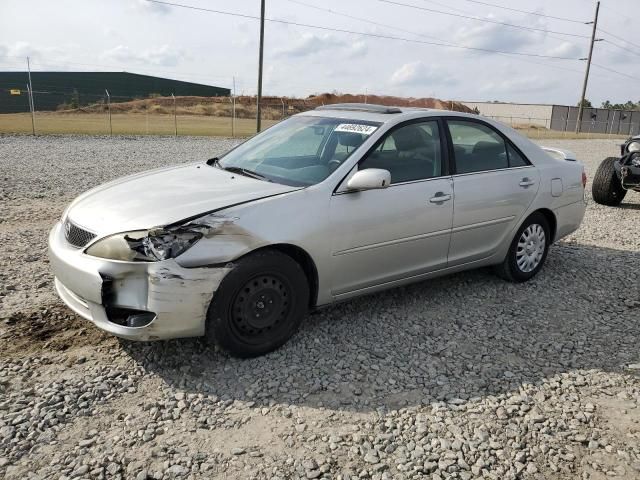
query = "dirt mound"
x=328 y=98
x=273 y=108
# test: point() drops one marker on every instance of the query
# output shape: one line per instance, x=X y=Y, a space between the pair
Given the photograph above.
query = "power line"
x=627 y=50
x=365 y=34
x=542 y=31
x=619 y=38
x=479 y=19
x=621 y=47
x=353 y=17
x=615 y=71
x=335 y=12
x=564 y=19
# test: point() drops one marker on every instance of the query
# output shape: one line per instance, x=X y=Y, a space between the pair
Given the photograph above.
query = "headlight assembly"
x=633 y=147
x=146 y=245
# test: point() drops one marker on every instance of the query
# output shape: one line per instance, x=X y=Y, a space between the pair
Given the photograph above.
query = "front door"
x=401 y=231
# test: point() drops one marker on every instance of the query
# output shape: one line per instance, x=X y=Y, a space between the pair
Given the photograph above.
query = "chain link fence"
x=542 y=127
x=107 y=114
x=55 y=112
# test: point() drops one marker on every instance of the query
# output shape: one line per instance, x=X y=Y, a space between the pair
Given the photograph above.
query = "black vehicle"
x=616 y=175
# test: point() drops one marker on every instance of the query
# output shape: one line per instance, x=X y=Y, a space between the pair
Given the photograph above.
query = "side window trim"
x=505 y=139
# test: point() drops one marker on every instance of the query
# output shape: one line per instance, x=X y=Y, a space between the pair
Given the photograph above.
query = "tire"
x=523 y=262
x=606 y=188
x=259 y=305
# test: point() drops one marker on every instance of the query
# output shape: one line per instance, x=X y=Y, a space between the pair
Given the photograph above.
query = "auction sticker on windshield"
x=356 y=128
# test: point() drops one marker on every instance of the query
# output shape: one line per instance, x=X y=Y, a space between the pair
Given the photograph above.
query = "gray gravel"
x=461 y=377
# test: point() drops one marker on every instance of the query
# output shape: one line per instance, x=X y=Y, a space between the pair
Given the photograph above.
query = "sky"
x=213 y=48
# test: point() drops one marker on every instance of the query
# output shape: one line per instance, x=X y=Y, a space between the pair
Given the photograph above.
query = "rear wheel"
x=606 y=188
x=528 y=250
x=259 y=304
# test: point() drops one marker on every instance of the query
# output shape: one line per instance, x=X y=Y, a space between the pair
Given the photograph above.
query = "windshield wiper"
x=214 y=162
x=246 y=172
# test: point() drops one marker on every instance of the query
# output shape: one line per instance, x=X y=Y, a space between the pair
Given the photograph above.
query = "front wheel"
x=528 y=250
x=259 y=304
x=607 y=188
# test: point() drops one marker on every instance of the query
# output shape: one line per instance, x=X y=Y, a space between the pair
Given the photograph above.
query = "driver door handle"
x=440 y=197
x=526 y=182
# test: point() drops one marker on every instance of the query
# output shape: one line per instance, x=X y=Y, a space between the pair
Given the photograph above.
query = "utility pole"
x=586 y=73
x=258 y=113
x=109 y=112
x=175 y=118
x=31 y=104
x=233 y=109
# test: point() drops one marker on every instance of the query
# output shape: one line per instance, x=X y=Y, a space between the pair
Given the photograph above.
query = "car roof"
x=378 y=113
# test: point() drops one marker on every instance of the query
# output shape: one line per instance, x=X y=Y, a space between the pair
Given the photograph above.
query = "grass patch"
x=127 y=124
x=203 y=123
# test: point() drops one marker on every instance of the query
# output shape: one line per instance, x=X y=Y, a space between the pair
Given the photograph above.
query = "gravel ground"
x=460 y=377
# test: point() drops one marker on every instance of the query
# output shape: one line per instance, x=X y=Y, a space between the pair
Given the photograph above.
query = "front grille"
x=76 y=236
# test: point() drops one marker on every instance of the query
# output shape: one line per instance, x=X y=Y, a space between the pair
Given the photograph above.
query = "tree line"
x=629 y=105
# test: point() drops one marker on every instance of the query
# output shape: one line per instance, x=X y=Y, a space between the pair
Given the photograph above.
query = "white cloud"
x=22 y=49
x=358 y=49
x=520 y=85
x=164 y=56
x=311 y=44
x=495 y=37
x=565 y=49
x=152 y=7
x=418 y=74
x=41 y=58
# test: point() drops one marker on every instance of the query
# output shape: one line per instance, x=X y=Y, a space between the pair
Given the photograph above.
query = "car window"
x=411 y=152
x=515 y=159
x=477 y=147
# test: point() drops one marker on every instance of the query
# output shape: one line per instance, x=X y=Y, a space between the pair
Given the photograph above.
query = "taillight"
x=584 y=179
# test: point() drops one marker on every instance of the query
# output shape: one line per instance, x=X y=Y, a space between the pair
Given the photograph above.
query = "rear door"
x=494 y=184
x=384 y=235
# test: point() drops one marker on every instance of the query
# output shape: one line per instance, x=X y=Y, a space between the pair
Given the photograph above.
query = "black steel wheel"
x=259 y=304
x=607 y=187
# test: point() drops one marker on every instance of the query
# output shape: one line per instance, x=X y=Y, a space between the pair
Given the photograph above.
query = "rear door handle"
x=526 y=182
x=440 y=197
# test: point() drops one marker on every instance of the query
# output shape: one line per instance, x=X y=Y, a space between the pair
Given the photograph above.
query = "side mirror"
x=369 y=179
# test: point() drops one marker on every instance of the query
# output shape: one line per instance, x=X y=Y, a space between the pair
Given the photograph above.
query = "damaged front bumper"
x=133 y=300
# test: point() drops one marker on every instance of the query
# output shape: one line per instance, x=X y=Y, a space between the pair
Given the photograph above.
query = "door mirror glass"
x=369 y=179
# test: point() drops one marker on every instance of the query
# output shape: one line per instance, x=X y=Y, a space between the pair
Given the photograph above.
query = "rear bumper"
x=92 y=287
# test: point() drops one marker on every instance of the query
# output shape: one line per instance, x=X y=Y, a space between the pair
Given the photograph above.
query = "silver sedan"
x=327 y=205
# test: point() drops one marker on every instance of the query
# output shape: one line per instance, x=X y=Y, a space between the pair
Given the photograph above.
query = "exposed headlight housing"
x=147 y=245
x=633 y=147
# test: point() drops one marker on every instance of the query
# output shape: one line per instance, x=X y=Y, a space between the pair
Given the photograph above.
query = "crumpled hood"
x=164 y=196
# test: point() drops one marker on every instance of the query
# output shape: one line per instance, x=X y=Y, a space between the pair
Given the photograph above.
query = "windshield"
x=299 y=151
